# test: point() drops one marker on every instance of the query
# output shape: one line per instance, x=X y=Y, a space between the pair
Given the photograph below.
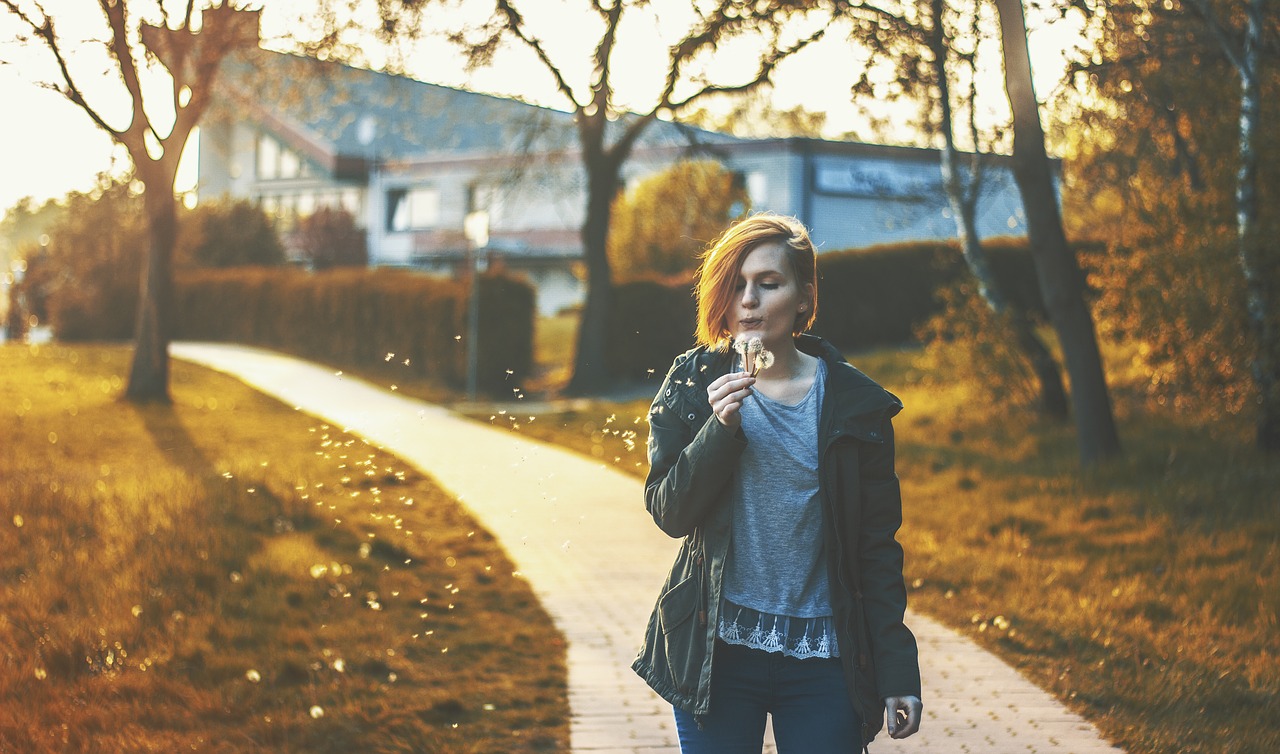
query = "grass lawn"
x=226 y=574
x=1144 y=593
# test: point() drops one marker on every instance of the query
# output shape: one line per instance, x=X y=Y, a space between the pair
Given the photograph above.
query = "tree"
x=662 y=224
x=1257 y=256
x=1159 y=160
x=608 y=132
x=329 y=237
x=227 y=233
x=963 y=188
x=1058 y=270
x=754 y=116
x=186 y=45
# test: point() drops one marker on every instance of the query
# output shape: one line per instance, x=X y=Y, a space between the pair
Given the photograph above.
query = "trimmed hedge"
x=650 y=323
x=358 y=317
x=878 y=296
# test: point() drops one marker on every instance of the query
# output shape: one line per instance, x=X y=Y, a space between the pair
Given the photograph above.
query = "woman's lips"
x=750 y=323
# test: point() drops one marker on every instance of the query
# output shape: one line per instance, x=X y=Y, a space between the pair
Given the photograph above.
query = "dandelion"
x=317 y=712
x=754 y=355
x=253 y=676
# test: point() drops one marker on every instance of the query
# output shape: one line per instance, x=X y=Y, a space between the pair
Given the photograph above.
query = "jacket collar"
x=850 y=393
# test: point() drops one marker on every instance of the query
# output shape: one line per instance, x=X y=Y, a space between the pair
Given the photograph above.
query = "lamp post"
x=476 y=228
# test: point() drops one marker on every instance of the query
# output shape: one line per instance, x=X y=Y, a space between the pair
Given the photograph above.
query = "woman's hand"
x=904 y=715
x=726 y=395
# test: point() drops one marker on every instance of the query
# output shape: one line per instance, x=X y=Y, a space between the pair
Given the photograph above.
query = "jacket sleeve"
x=893 y=646
x=692 y=457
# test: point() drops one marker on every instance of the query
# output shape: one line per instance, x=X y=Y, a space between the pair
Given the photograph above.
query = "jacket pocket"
x=683 y=637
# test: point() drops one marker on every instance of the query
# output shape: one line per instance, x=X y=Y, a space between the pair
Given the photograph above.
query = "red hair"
x=722 y=263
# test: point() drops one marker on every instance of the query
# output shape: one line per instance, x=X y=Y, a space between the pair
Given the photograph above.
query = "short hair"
x=722 y=263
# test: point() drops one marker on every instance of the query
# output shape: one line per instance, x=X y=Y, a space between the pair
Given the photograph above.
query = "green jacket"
x=692 y=458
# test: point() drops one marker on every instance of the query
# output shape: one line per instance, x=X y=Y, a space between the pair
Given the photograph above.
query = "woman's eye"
x=769 y=286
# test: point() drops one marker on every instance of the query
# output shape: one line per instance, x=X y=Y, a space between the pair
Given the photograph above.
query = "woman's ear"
x=807 y=304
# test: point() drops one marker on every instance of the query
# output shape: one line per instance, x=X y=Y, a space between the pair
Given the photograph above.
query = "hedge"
x=650 y=323
x=880 y=295
x=867 y=298
x=358 y=317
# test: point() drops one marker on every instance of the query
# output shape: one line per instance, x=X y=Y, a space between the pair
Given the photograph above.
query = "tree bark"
x=1058 y=271
x=590 y=371
x=149 y=371
x=964 y=205
x=1259 y=274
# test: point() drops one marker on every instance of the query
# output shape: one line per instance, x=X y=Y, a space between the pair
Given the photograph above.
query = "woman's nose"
x=749 y=298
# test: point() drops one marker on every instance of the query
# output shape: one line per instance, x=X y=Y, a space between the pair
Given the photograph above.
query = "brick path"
x=579 y=532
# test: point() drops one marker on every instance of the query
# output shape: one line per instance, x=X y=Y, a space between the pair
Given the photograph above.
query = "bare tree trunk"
x=149 y=372
x=1258 y=274
x=964 y=205
x=590 y=372
x=1061 y=281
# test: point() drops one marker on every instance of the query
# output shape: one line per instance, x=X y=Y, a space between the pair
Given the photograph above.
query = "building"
x=411 y=160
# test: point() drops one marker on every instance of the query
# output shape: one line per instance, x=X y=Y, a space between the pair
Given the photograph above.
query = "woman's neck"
x=788 y=364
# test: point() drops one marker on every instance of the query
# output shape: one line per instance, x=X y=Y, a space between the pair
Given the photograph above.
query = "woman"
x=787 y=595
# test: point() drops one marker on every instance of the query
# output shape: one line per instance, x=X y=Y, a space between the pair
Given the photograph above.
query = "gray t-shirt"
x=775 y=563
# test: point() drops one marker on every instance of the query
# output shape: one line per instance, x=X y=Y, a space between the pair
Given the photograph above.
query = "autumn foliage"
x=662 y=224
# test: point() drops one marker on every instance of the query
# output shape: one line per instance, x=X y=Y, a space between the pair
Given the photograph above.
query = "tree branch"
x=767 y=66
x=515 y=23
x=133 y=135
x=47 y=34
x=602 y=89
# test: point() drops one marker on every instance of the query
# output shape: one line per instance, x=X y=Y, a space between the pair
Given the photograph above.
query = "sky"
x=48 y=146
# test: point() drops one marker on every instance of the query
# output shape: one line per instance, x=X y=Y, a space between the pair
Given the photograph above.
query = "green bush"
x=227 y=233
x=882 y=295
x=95 y=256
x=649 y=324
x=867 y=298
x=361 y=317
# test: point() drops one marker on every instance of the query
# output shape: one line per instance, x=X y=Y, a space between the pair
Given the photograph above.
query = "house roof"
x=335 y=112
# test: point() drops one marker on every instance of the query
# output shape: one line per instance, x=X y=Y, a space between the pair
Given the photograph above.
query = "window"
x=268 y=157
x=412 y=209
x=757 y=190
x=290 y=165
x=277 y=161
x=481 y=197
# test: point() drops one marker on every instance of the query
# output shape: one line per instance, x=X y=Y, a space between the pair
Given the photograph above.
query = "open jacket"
x=692 y=460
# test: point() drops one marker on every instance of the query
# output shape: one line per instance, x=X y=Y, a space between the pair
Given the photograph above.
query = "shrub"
x=871 y=297
x=883 y=294
x=329 y=237
x=227 y=233
x=358 y=317
x=96 y=252
x=649 y=324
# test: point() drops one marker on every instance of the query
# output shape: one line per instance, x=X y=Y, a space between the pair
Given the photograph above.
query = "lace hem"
x=801 y=638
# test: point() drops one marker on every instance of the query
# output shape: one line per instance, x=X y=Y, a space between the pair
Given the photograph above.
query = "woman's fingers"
x=726 y=395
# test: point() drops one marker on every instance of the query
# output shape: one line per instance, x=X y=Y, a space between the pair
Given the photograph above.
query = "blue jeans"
x=809 y=700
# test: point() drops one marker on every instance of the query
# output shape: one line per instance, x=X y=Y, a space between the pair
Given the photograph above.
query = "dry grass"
x=225 y=574
x=1144 y=593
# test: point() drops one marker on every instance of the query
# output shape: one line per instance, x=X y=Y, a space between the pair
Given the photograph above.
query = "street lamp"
x=476 y=228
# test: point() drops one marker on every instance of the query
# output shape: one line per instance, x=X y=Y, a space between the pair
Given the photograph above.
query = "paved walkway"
x=580 y=534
